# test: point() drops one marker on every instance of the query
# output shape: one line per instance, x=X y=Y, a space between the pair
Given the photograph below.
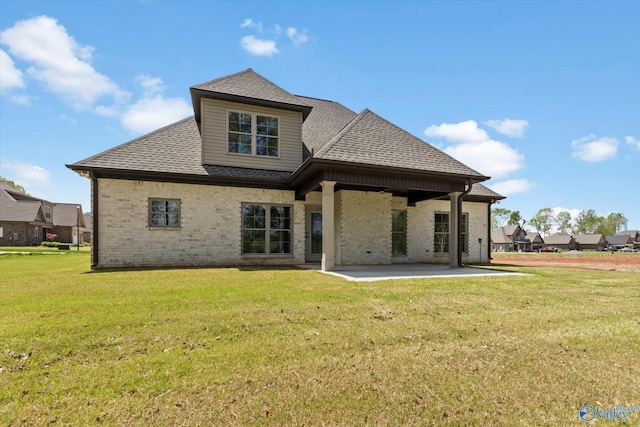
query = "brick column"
x=328 y=225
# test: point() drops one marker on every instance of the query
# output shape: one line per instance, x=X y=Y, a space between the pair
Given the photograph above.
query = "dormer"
x=246 y=121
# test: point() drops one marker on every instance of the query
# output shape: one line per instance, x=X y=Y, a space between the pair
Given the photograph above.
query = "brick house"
x=261 y=176
x=590 y=242
x=26 y=220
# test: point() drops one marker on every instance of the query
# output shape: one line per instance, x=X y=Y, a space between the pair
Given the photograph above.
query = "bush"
x=50 y=244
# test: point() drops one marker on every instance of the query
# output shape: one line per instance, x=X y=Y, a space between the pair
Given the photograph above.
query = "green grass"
x=257 y=346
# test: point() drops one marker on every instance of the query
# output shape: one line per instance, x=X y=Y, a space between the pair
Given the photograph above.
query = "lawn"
x=246 y=346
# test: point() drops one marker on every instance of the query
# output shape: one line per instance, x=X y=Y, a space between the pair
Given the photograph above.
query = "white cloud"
x=35 y=179
x=633 y=142
x=11 y=76
x=473 y=147
x=248 y=23
x=20 y=99
x=277 y=29
x=104 y=111
x=492 y=158
x=512 y=186
x=297 y=37
x=149 y=114
x=592 y=149
x=509 y=127
x=464 y=132
x=258 y=47
x=59 y=62
x=151 y=85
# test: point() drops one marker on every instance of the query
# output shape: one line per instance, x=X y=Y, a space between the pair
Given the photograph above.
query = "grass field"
x=248 y=346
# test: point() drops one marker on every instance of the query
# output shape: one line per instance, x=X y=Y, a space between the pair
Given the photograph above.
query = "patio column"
x=454 y=230
x=328 y=235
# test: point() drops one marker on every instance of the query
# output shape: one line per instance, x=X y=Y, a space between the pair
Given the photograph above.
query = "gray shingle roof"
x=66 y=215
x=499 y=236
x=173 y=149
x=479 y=190
x=19 y=211
x=250 y=84
x=619 y=239
x=558 y=239
x=326 y=119
x=588 y=239
x=372 y=140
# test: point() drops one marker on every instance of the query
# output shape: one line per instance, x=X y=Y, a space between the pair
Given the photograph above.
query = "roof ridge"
x=342 y=132
x=103 y=153
x=219 y=79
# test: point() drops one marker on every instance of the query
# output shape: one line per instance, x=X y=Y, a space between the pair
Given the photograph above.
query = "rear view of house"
x=261 y=176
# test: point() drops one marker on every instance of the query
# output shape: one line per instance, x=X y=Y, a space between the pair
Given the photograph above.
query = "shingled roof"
x=20 y=211
x=248 y=87
x=372 y=140
x=331 y=132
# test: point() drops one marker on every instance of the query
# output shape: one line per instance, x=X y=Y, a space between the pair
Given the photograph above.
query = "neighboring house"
x=69 y=222
x=620 y=240
x=88 y=224
x=561 y=241
x=260 y=176
x=26 y=220
x=590 y=242
x=634 y=234
x=510 y=238
x=536 y=240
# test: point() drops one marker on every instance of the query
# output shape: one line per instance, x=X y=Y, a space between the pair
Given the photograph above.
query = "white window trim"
x=254 y=128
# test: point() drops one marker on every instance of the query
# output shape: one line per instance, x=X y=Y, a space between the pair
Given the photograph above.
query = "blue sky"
x=544 y=96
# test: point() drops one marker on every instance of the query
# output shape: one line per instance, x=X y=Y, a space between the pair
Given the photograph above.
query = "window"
x=164 y=213
x=252 y=134
x=399 y=232
x=441 y=233
x=266 y=229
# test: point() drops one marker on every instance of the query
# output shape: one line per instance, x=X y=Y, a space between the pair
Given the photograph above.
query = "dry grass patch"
x=294 y=347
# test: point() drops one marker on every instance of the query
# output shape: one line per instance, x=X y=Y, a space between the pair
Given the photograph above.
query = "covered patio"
x=372 y=273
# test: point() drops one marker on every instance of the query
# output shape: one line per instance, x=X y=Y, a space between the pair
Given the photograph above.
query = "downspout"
x=95 y=236
x=459 y=213
x=489 y=230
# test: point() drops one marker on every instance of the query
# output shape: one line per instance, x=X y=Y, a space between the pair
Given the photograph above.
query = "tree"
x=617 y=222
x=543 y=221
x=563 y=221
x=588 y=222
x=515 y=218
x=18 y=188
x=499 y=217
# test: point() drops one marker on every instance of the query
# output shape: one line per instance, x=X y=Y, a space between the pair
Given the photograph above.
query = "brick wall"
x=210 y=231
x=26 y=234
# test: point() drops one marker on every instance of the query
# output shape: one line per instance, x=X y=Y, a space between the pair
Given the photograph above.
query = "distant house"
x=88 y=222
x=590 y=242
x=619 y=240
x=561 y=241
x=26 y=220
x=536 y=240
x=634 y=234
x=510 y=238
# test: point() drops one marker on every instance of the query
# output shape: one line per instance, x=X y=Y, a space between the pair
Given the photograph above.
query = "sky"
x=543 y=96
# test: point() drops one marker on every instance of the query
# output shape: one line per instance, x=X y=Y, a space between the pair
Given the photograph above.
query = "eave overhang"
x=181 y=178
x=198 y=94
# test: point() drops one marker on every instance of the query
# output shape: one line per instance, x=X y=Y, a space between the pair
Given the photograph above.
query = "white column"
x=454 y=228
x=328 y=225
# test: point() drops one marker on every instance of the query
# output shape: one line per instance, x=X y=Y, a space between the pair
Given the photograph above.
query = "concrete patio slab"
x=371 y=273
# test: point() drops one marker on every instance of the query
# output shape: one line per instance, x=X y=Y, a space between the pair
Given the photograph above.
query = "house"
x=619 y=240
x=561 y=241
x=536 y=240
x=261 y=176
x=634 y=234
x=509 y=238
x=590 y=242
x=88 y=222
x=26 y=220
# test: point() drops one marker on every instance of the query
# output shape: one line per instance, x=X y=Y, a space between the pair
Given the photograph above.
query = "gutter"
x=459 y=214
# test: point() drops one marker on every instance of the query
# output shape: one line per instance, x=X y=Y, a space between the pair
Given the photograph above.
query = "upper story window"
x=252 y=134
x=164 y=213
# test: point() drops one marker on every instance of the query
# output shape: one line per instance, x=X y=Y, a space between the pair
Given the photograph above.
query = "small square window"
x=164 y=213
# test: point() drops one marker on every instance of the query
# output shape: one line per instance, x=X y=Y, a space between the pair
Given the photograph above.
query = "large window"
x=399 y=232
x=266 y=229
x=252 y=134
x=441 y=233
x=164 y=213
